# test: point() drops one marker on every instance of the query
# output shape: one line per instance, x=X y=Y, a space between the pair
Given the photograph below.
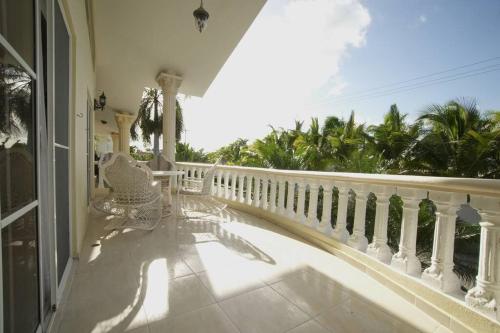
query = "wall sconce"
x=99 y=105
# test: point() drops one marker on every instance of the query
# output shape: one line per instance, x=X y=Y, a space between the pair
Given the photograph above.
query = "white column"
x=326 y=215
x=440 y=274
x=301 y=201
x=249 y=189
x=358 y=239
x=115 y=137
x=234 y=180
x=124 y=121
x=265 y=185
x=290 y=198
x=219 y=183
x=312 y=209
x=169 y=84
x=272 y=195
x=378 y=247
x=406 y=259
x=226 y=184
x=256 y=191
x=241 y=187
x=485 y=296
x=281 y=196
x=340 y=232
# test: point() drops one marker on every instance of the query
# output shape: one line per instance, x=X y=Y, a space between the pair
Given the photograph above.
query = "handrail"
x=486 y=187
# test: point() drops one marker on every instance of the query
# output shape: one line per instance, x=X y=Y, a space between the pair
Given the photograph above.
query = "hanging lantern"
x=200 y=17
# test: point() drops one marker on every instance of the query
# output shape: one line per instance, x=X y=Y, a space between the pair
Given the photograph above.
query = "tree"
x=150 y=119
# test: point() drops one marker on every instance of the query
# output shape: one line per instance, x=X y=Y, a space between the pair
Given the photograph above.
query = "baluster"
x=234 y=179
x=265 y=185
x=256 y=191
x=198 y=174
x=272 y=196
x=486 y=294
x=406 y=259
x=301 y=200
x=226 y=184
x=290 y=198
x=312 y=210
x=326 y=215
x=358 y=239
x=440 y=274
x=378 y=248
x=249 y=189
x=241 y=188
x=281 y=196
x=219 y=183
x=340 y=232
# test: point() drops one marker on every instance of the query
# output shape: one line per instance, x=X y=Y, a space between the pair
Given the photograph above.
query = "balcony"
x=254 y=261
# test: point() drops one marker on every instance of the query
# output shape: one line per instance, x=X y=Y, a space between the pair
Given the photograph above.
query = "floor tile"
x=210 y=319
x=263 y=311
x=311 y=326
x=165 y=298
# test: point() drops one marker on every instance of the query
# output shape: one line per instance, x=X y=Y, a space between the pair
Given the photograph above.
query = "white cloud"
x=422 y=18
x=277 y=70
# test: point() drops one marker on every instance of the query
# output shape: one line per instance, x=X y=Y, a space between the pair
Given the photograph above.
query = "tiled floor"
x=224 y=271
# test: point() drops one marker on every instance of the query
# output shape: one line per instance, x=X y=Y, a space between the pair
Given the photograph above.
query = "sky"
x=316 y=58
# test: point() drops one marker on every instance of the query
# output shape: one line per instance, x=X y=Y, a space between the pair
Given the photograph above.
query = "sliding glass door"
x=19 y=206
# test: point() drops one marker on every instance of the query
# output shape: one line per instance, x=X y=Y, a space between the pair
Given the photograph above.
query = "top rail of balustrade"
x=475 y=186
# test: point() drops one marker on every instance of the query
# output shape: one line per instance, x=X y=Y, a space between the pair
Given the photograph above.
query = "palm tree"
x=150 y=119
x=393 y=139
x=457 y=142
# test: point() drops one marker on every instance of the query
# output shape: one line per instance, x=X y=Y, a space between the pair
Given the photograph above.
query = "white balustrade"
x=406 y=258
x=299 y=214
x=312 y=209
x=378 y=248
x=274 y=192
x=358 y=239
x=340 y=232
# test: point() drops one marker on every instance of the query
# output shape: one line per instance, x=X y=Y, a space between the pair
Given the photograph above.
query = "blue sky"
x=314 y=58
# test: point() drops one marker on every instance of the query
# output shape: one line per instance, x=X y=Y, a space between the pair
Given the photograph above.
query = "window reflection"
x=17 y=136
x=16 y=25
x=20 y=274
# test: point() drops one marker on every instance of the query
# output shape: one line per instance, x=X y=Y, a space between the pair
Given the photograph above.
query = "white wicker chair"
x=134 y=195
x=202 y=188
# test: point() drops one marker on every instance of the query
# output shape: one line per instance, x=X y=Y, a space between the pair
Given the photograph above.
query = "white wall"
x=83 y=87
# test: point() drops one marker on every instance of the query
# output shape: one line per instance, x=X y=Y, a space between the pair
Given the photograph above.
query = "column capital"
x=124 y=119
x=169 y=82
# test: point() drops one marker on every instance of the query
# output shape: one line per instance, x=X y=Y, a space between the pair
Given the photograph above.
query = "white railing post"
x=312 y=209
x=301 y=200
x=290 y=198
x=378 y=248
x=241 y=188
x=281 y=196
x=406 y=259
x=340 y=232
x=226 y=184
x=440 y=274
x=358 y=239
x=219 y=183
x=326 y=214
x=265 y=185
x=249 y=189
x=485 y=296
x=234 y=180
x=256 y=191
x=272 y=195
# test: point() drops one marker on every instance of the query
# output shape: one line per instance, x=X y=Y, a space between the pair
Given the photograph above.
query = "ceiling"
x=136 y=39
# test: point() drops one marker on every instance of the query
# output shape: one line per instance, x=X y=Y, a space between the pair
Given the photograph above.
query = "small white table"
x=167 y=190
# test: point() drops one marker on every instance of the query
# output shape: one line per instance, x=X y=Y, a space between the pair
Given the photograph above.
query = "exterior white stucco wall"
x=83 y=87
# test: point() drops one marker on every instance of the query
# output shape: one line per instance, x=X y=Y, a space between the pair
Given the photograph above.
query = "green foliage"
x=186 y=153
